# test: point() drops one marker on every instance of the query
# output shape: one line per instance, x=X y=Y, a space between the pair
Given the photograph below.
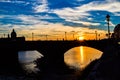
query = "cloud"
x=9 y=1
x=1 y=16
x=80 y=0
x=110 y=23
x=5 y=0
x=81 y=14
x=110 y=6
x=86 y=23
x=70 y=13
x=36 y=19
x=28 y=19
x=75 y=16
x=42 y=7
x=40 y=18
x=54 y=30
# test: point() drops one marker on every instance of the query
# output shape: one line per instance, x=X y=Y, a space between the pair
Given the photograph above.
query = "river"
x=76 y=58
x=80 y=57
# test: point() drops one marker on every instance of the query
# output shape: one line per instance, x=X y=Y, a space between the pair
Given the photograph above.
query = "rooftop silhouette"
x=13 y=37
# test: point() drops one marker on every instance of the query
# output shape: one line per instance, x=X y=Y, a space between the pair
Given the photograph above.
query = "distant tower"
x=13 y=34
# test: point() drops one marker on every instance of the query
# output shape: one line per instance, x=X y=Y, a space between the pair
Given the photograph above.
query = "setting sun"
x=81 y=38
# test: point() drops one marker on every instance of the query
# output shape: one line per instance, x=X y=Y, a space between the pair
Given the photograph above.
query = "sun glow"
x=81 y=38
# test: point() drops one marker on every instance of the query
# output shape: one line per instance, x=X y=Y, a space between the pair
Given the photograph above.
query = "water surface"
x=80 y=57
x=27 y=59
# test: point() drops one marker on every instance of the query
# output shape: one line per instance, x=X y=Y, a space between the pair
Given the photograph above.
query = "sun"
x=81 y=38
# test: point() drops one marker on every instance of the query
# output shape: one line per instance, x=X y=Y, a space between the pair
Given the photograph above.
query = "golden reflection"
x=81 y=54
x=80 y=57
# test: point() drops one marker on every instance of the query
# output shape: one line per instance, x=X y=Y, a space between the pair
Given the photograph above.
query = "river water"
x=27 y=58
x=78 y=58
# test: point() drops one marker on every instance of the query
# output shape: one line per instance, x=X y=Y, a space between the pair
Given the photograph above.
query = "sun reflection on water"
x=81 y=54
x=80 y=57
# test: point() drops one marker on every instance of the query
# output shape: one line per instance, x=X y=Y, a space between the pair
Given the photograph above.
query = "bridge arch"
x=60 y=47
x=82 y=46
x=69 y=45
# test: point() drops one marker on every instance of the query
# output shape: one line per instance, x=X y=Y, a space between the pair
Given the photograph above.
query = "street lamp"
x=108 y=19
x=46 y=37
x=73 y=34
x=96 y=34
x=65 y=36
x=32 y=36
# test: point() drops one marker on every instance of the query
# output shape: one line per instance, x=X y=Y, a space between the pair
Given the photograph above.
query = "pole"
x=32 y=36
x=96 y=34
x=46 y=37
x=73 y=37
x=108 y=19
x=108 y=30
x=65 y=36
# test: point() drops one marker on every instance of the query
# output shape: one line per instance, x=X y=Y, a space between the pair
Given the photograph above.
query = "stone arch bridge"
x=53 y=51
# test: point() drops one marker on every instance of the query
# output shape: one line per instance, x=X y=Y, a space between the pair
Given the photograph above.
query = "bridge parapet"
x=46 y=47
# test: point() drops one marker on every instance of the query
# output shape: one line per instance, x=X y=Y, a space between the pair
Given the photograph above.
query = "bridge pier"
x=9 y=58
x=53 y=60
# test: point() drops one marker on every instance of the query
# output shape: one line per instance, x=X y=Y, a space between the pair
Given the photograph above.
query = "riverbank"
x=107 y=68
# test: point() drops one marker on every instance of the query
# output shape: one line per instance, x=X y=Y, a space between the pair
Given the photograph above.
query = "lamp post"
x=46 y=37
x=96 y=34
x=73 y=35
x=65 y=36
x=32 y=36
x=108 y=19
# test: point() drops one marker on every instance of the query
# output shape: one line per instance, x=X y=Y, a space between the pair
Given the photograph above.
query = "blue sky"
x=54 y=17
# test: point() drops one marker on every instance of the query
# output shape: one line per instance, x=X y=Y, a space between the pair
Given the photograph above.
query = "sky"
x=51 y=19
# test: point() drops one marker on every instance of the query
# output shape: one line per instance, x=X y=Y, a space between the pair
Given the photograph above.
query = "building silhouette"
x=12 y=37
x=116 y=33
x=13 y=34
